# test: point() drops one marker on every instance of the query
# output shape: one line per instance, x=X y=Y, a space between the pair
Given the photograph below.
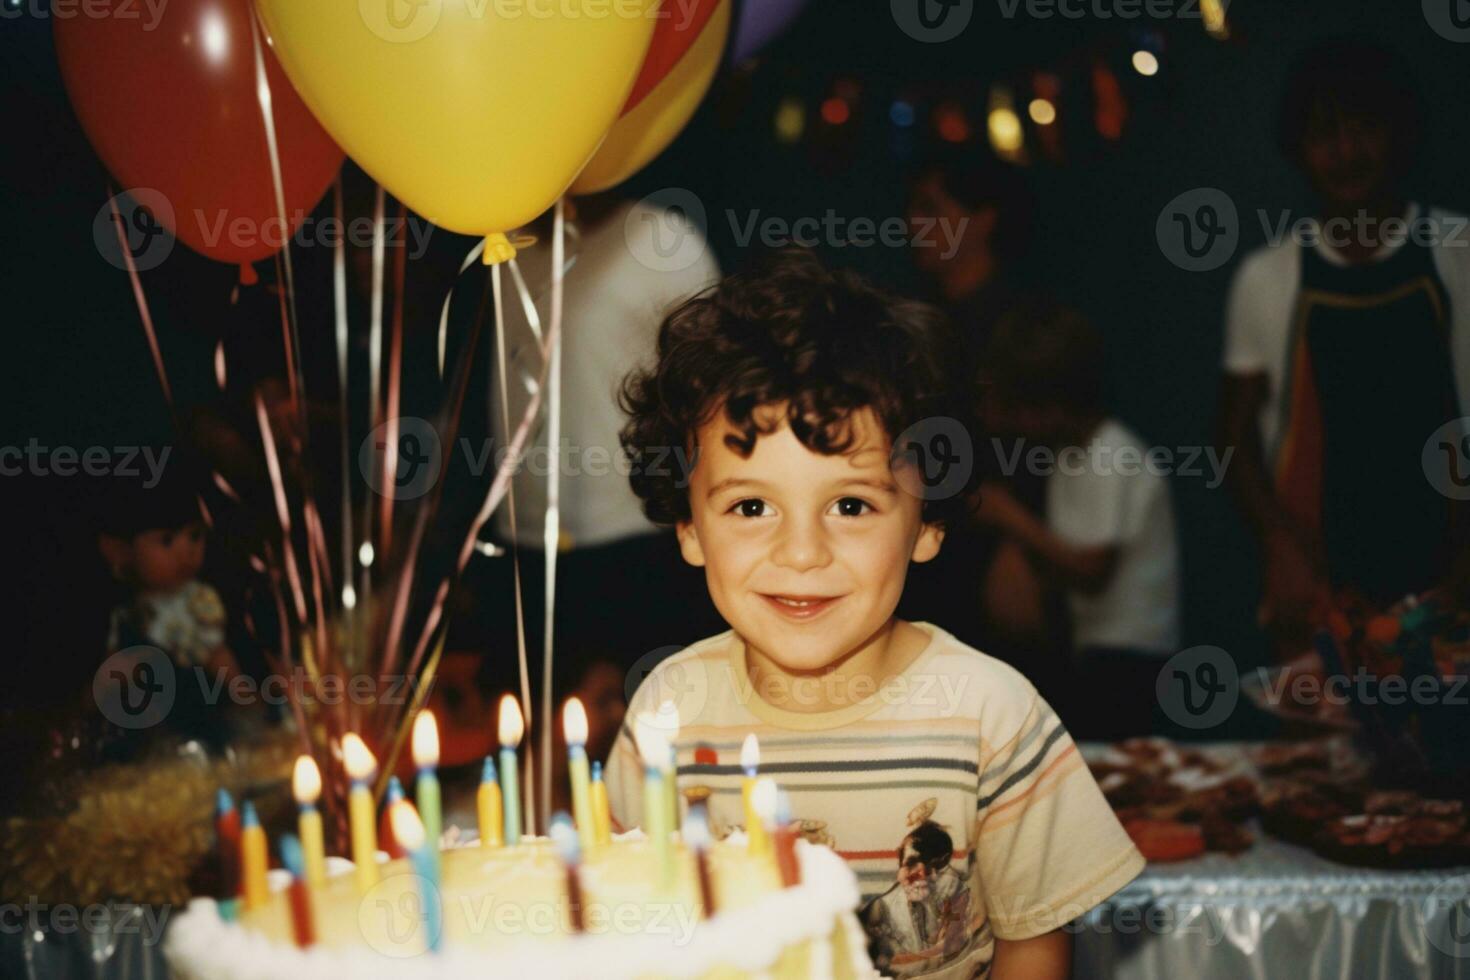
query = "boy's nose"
x=802 y=545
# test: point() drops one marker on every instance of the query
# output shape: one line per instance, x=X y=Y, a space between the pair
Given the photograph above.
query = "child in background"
x=1107 y=539
x=949 y=786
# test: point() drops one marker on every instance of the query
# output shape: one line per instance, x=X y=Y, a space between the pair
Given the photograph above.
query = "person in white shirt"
x=1345 y=351
x=1107 y=538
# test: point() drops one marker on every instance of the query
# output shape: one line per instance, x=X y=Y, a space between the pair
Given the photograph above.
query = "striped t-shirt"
x=953 y=792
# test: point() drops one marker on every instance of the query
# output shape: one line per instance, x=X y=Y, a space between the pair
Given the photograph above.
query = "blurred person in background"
x=1345 y=350
x=1104 y=540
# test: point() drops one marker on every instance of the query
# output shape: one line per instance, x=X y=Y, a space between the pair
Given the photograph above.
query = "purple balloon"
x=760 y=22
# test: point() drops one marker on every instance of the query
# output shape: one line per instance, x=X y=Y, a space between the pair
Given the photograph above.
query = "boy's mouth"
x=800 y=607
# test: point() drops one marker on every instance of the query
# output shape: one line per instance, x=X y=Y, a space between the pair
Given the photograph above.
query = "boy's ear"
x=689 y=545
x=931 y=536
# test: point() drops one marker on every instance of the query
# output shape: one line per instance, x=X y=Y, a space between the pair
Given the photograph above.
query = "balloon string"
x=375 y=375
x=395 y=377
x=143 y=312
x=444 y=309
x=283 y=512
x=339 y=301
x=552 y=540
x=502 y=356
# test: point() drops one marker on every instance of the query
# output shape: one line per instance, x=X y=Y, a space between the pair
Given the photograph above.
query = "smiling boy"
x=949 y=786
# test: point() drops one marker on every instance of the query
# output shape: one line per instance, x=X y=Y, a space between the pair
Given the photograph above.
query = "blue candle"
x=512 y=727
x=408 y=829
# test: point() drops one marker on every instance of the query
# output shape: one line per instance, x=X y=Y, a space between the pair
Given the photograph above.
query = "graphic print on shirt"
x=925 y=918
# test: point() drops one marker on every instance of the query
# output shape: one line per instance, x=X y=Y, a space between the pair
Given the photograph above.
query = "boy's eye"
x=754 y=507
x=853 y=507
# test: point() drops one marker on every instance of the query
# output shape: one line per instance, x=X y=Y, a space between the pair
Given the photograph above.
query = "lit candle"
x=387 y=842
x=574 y=727
x=512 y=728
x=306 y=786
x=426 y=757
x=697 y=836
x=303 y=929
x=750 y=761
x=409 y=830
x=601 y=813
x=668 y=720
x=227 y=830
x=487 y=806
x=358 y=760
x=568 y=843
x=763 y=812
x=654 y=749
x=785 y=842
x=253 y=860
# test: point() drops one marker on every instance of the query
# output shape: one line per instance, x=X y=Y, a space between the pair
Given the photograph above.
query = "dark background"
x=76 y=369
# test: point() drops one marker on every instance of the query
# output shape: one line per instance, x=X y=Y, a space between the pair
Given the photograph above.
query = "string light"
x=790 y=120
x=1042 y=112
x=836 y=111
x=1145 y=63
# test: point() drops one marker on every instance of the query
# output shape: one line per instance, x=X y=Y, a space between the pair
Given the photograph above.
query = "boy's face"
x=805 y=554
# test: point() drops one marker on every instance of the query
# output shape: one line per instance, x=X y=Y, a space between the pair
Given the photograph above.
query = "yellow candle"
x=306 y=786
x=253 y=859
x=763 y=798
x=750 y=760
x=601 y=814
x=574 y=727
x=668 y=720
x=488 y=806
x=361 y=765
x=655 y=752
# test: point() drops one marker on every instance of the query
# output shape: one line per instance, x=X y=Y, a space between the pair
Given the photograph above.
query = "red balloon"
x=679 y=26
x=172 y=106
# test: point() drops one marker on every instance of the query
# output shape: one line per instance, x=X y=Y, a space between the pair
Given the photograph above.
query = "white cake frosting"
x=749 y=939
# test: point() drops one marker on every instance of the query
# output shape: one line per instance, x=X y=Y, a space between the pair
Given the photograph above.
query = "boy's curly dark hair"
x=824 y=342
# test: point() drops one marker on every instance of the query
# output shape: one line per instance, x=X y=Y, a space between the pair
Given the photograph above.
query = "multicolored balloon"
x=173 y=107
x=478 y=116
x=687 y=48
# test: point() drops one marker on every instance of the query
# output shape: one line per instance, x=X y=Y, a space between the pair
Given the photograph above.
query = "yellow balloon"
x=478 y=114
x=640 y=136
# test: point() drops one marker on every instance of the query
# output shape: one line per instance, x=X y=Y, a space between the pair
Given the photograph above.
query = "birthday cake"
x=506 y=912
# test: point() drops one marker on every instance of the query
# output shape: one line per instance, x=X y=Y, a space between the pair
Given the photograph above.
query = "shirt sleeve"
x=1244 y=348
x=1048 y=847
